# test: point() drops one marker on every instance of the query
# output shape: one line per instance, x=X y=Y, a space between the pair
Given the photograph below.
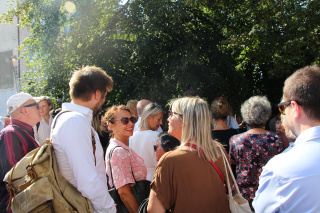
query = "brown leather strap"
x=94 y=147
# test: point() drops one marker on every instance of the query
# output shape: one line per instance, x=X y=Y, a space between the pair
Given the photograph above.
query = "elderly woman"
x=165 y=144
x=125 y=163
x=143 y=141
x=220 y=110
x=185 y=181
x=251 y=150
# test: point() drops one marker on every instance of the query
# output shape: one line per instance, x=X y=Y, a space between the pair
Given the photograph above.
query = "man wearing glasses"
x=80 y=161
x=17 y=139
x=290 y=181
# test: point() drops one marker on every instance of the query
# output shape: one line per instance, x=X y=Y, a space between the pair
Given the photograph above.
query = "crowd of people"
x=181 y=156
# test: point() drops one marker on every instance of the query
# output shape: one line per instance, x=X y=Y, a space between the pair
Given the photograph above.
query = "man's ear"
x=97 y=95
x=23 y=110
x=296 y=109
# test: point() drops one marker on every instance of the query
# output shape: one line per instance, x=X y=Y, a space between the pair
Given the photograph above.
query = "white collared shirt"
x=42 y=133
x=72 y=143
x=289 y=182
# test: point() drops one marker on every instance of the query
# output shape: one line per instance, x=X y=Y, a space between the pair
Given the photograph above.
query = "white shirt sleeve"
x=233 y=124
x=75 y=153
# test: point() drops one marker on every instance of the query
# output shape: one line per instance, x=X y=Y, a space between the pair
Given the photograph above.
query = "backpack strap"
x=38 y=125
x=92 y=134
x=94 y=147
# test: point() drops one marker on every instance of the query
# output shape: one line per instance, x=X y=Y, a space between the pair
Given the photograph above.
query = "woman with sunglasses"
x=144 y=140
x=126 y=166
x=185 y=180
x=251 y=150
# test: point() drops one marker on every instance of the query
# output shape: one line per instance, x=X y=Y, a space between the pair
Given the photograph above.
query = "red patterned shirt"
x=16 y=140
x=250 y=152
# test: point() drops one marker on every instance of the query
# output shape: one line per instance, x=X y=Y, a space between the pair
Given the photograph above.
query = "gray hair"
x=151 y=109
x=256 y=111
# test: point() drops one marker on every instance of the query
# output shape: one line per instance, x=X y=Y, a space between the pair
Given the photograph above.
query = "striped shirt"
x=16 y=140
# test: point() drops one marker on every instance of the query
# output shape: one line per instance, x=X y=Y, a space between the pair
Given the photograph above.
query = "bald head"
x=141 y=105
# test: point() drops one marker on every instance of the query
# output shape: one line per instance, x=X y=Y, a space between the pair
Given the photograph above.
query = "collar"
x=308 y=135
x=119 y=143
x=88 y=113
x=23 y=126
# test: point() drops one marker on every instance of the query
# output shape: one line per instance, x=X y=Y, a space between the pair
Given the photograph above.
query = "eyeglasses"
x=171 y=113
x=282 y=106
x=34 y=104
x=125 y=120
x=155 y=147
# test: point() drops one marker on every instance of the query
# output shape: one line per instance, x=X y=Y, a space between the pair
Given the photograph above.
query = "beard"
x=96 y=108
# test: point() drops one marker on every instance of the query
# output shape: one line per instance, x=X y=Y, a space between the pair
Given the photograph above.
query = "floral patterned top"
x=250 y=152
x=124 y=162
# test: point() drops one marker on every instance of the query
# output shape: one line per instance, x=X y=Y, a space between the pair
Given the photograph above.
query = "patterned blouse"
x=124 y=162
x=250 y=152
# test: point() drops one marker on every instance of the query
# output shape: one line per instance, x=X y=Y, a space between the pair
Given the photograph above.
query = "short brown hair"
x=87 y=80
x=303 y=86
x=47 y=99
x=111 y=111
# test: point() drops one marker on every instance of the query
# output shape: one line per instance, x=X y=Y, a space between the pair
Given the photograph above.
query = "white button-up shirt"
x=72 y=143
x=43 y=132
x=290 y=181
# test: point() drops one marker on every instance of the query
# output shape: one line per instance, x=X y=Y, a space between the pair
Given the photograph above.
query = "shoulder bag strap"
x=109 y=158
x=212 y=163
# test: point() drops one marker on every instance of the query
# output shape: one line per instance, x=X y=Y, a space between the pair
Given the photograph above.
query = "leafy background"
x=158 y=49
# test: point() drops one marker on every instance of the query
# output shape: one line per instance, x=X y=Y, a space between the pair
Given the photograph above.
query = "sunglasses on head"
x=125 y=120
x=171 y=113
x=34 y=104
x=155 y=147
x=282 y=106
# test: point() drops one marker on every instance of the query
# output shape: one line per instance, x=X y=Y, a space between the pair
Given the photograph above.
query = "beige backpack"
x=35 y=185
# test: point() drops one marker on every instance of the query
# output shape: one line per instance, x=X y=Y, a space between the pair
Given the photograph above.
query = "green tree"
x=153 y=49
x=268 y=39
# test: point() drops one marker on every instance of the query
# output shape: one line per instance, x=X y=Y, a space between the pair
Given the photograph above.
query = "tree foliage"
x=159 y=49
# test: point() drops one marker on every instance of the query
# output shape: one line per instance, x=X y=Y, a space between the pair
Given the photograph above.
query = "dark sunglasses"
x=282 y=106
x=171 y=113
x=34 y=104
x=125 y=120
x=155 y=147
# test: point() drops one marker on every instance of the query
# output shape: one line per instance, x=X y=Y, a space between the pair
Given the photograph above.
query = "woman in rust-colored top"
x=185 y=181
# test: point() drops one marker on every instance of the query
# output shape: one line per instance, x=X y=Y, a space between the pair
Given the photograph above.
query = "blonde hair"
x=151 y=109
x=196 y=125
x=132 y=105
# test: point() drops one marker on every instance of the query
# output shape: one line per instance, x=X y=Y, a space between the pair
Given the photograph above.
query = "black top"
x=104 y=140
x=223 y=136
